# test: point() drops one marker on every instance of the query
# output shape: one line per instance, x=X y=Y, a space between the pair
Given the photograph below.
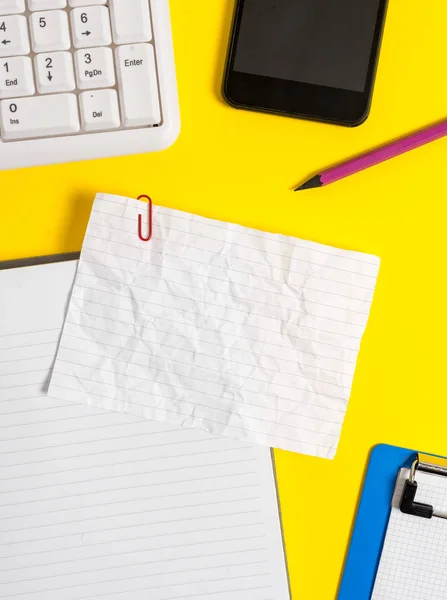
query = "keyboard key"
x=13 y=36
x=16 y=77
x=46 y=4
x=138 y=85
x=54 y=72
x=99 y=110
x=94 y=68
x=50 y=31
x=10 y=7
x=76 y=3
x=91 y=27
x=39 y=116
x=131 y=21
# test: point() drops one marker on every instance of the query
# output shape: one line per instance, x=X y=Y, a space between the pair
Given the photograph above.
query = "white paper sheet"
x=413 y=565
x=238 y=332
x=103 y=506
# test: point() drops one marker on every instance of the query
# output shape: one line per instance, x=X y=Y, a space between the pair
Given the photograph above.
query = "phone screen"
x=319 y=42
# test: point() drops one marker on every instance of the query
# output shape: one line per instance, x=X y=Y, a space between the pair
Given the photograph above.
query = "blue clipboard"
x=370 y=527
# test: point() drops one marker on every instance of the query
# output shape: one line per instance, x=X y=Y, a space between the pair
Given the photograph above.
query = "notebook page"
x=99 y=505
x=413 y=565
x=211 y=325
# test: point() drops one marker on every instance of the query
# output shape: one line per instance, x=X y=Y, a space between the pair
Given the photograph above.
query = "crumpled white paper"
x=239 y=332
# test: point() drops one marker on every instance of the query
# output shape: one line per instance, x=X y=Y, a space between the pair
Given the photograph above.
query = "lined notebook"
x=104 y=506
x=413 y=565
x=234 y=331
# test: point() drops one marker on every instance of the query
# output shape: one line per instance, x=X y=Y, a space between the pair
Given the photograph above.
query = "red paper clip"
x=140 y=221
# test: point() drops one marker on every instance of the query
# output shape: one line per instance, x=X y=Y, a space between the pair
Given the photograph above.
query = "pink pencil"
x=376 y=156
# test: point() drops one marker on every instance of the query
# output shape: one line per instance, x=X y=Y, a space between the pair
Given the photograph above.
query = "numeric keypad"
x=58 y=67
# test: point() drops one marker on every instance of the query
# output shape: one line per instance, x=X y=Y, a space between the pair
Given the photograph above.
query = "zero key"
x=39 y=116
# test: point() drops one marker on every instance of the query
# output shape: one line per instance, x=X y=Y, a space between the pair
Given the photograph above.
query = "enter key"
x=138 y=88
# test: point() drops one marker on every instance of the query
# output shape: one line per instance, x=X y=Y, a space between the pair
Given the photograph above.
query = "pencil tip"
x=313 y=182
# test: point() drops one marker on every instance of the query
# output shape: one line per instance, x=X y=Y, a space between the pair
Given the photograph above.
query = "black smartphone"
x=313 y=59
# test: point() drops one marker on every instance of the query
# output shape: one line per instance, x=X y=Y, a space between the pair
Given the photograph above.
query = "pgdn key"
x=39 y=116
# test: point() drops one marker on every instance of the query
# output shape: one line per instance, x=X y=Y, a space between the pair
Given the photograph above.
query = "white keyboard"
x=85 y=79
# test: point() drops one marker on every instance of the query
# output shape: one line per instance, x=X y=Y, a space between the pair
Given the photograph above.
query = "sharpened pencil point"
x=313 y=182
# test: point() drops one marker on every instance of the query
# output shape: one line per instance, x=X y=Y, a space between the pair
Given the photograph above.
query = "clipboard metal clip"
x=408 y=504
x=140 y=220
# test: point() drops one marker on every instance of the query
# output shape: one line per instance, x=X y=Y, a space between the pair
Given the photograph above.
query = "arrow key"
x=54 y=72
x=13 y=35
x=91 y=27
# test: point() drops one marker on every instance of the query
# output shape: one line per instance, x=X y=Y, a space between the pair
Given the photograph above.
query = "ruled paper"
x=211 y=325
x=413 y=565
x=105 y=506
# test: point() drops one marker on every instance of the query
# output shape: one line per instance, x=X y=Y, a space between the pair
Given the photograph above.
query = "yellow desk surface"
x=240 y=166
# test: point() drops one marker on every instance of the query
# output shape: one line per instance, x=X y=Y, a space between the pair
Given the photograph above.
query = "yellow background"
x=240 y=166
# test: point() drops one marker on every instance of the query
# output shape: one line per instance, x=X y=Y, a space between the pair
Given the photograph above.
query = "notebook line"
x=147 y=354
x=169 y=214
x=266 y=342
x=120 y=502
x=117 y=463
x=121 y=450
x=146 y=563
x=208 y=381
x=264 y=587
x=169 y=227
x=28 y=397
x=254 y=300
x=161 y=227
x=28 y=358
x=28 y=410
x=232 y=296
x=60 y=420
x=149 y=588
x=155 y=561
x=235 y=258
x=239 y=415
x=122 y=437
x=22 y=385
x=77 y=311
x=134 y=487
x=139 y=526
x=146 y=511
x=41 y=370
x=206 y=303
x=27 y=345
x=183 y=468
x=186 y=415
x=28 y=437
x=270 y=281
x=39 y=331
